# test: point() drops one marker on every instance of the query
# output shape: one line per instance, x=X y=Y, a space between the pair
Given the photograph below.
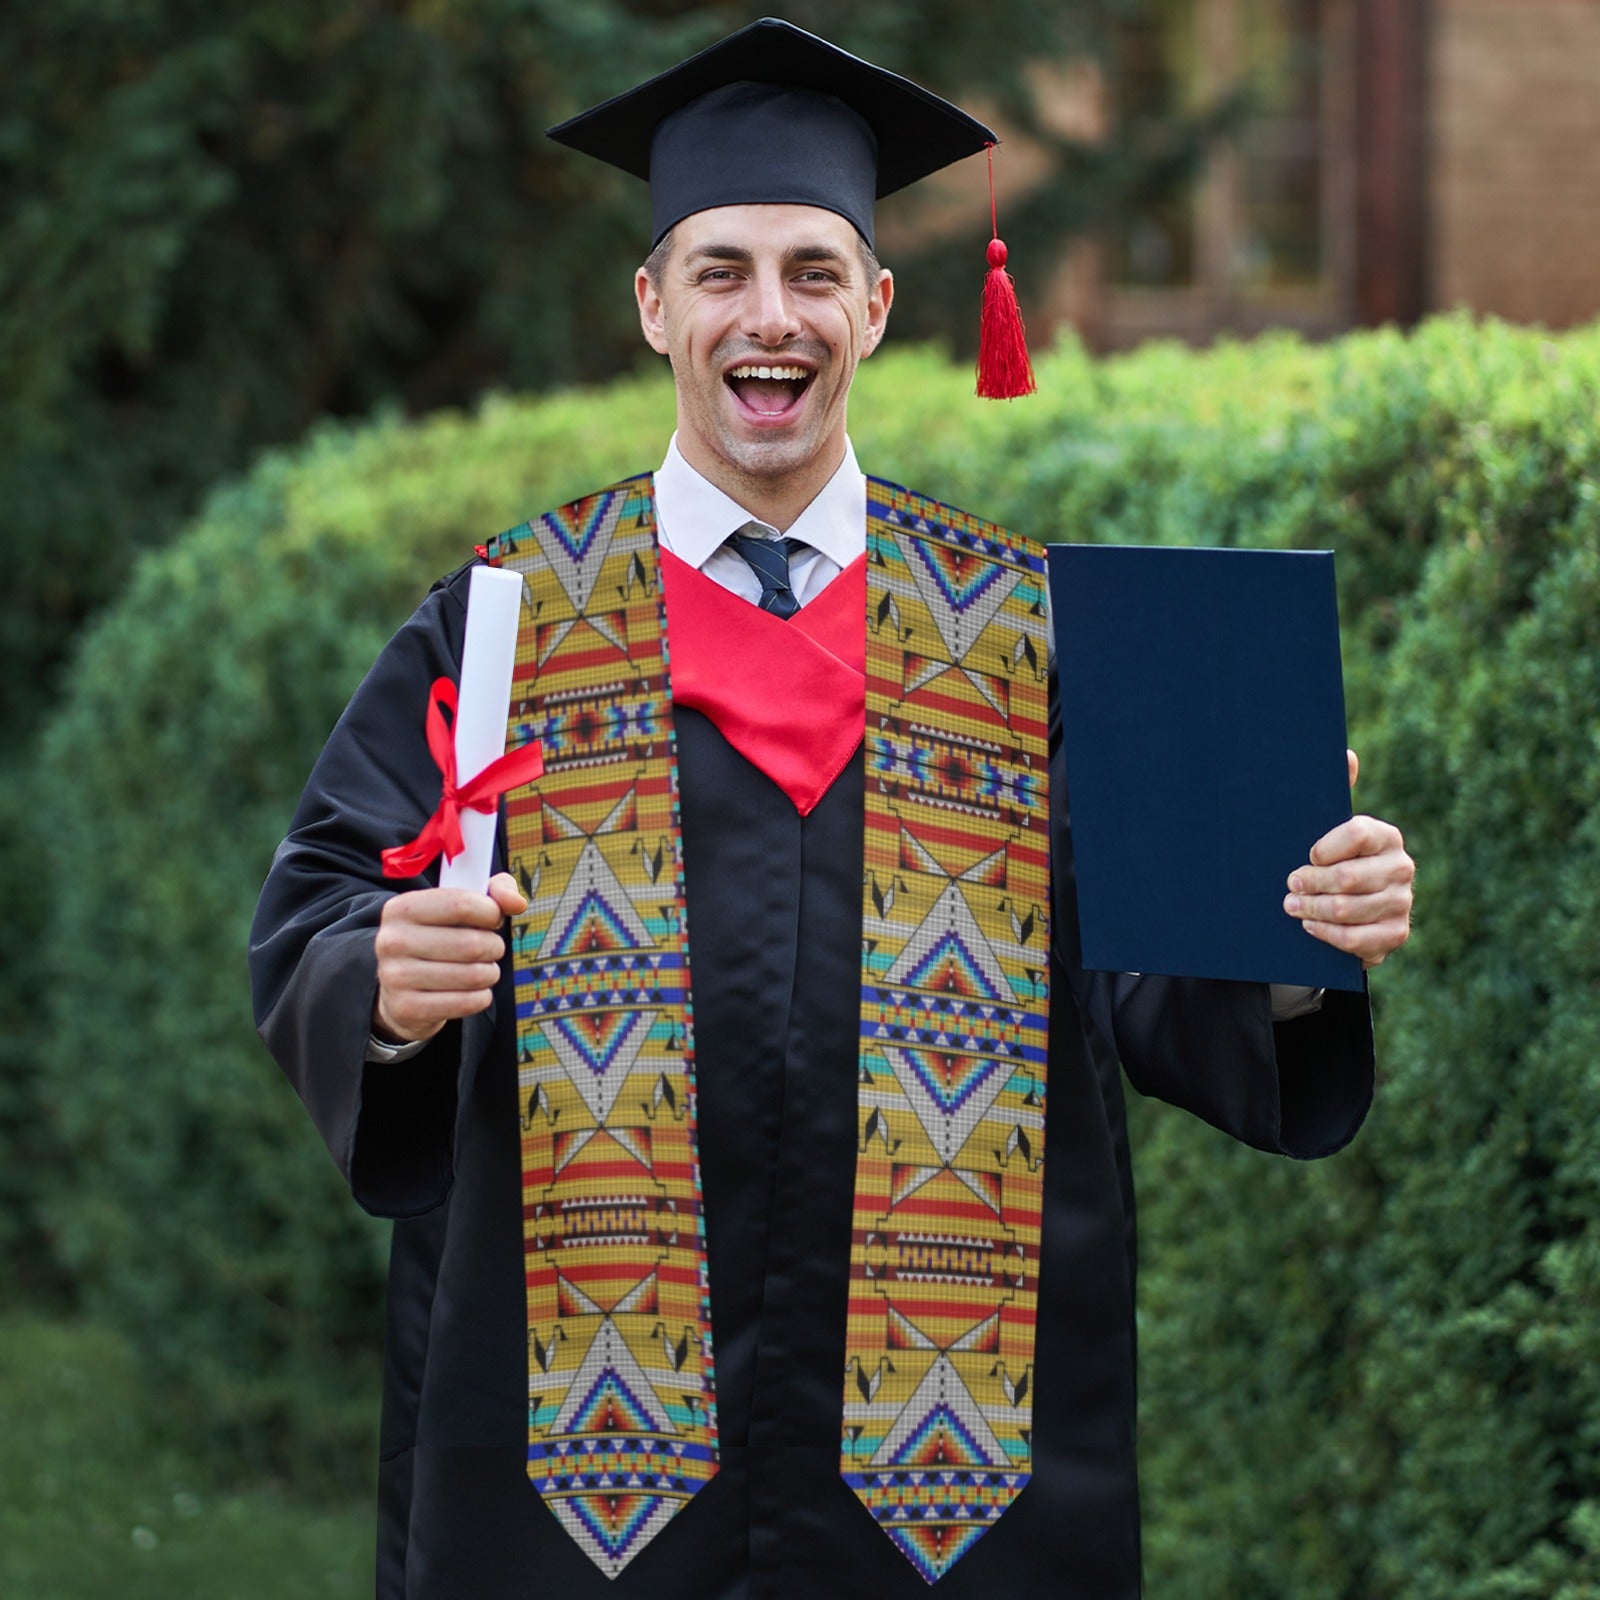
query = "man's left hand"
x=1355 y=892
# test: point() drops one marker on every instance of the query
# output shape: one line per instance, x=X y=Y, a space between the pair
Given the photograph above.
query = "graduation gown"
x=774 y=907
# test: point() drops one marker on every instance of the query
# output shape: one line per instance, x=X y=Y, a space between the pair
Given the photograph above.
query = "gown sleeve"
x=313 y=966
x=1300 y=1088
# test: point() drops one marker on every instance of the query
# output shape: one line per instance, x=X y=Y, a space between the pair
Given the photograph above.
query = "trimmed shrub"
x=195 y=1208
x=1376 y=1377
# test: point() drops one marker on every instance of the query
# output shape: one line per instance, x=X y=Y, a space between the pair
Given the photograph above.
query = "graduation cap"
x=774 y=115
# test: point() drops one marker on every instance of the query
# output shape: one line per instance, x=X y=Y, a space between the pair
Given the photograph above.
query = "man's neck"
x=777 y=501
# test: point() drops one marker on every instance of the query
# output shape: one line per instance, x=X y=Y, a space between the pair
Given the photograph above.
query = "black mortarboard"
x=774 y=115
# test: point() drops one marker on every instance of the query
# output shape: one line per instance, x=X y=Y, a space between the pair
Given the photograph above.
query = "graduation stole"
x=936 y=1414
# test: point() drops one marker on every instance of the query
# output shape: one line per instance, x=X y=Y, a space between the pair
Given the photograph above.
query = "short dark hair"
x=656 y=262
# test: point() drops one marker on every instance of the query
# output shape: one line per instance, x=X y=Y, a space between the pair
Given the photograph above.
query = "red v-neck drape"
x=789 y=696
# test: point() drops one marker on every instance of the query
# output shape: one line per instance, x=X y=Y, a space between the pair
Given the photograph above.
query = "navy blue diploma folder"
x=1202 y=710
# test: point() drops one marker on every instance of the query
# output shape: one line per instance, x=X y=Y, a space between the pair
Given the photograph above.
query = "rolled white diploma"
x=494 y=601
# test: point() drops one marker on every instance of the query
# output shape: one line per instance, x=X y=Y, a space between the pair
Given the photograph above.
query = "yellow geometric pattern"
x=944 y=1259
x=621 y=1397
x=943 y=1267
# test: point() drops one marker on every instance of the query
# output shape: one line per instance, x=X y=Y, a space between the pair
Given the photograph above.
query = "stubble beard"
x=764 y=459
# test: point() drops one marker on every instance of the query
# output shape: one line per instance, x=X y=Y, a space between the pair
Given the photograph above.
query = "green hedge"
x=1371 y=1378
x=1377 y=1377
x=193 y=1206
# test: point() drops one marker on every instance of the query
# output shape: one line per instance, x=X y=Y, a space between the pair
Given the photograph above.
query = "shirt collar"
x=695 y=517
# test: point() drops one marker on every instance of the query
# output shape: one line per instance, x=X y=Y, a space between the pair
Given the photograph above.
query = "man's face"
x=764 y=311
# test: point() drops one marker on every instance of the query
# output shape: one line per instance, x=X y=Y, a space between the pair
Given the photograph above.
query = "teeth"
x=797 y=374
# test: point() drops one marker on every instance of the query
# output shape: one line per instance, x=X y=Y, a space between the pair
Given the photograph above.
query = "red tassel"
x=1004 y=370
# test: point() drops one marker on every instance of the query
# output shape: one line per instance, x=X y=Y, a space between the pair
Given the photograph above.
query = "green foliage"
x=193 y=1212
x=1496 y=1045
x=220 y=224
x=1376 y=1378
x=1369 y=1379
x=96 y=1500
x=27 y=1147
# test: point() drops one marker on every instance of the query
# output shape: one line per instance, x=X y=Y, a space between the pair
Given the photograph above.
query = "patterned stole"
x=945 y=1250
x=621 y=1395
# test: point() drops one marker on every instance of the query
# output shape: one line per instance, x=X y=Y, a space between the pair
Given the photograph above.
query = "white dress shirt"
x=694 y=518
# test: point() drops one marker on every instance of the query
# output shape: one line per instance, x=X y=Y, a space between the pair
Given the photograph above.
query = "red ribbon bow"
x=442 y=831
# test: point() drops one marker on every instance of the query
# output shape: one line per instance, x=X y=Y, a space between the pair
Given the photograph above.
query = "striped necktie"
x=769 y=559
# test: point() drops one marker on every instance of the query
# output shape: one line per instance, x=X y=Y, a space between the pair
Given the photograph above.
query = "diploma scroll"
x=494 y=601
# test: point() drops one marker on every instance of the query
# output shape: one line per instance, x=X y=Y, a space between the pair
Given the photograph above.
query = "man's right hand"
x=439 y=954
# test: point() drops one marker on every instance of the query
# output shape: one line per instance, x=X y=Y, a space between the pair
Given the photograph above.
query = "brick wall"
x=1514 y=162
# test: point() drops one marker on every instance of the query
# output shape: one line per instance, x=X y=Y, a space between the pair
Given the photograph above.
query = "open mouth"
x=769 y=391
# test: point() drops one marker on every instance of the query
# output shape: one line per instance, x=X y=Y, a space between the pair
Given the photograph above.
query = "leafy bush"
x=318 y=207
x=1370 y=1378
x=220 y=223
x=194 y=1212
x=1376 y=1378
x=95 y=1500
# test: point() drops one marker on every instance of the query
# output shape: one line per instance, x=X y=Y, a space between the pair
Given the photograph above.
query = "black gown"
x=774 y=905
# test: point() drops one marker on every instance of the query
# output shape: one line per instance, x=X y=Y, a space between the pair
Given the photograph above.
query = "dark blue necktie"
x=769 y=560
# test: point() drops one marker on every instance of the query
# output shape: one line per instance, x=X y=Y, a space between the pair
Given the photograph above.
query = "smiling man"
x=727 y=292
x=756 y=1144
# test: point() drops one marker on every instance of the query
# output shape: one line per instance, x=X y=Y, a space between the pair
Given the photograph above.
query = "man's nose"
x=772 y=319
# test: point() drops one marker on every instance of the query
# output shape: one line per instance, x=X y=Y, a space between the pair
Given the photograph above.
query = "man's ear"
x=652 y=315
x=878 y=303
